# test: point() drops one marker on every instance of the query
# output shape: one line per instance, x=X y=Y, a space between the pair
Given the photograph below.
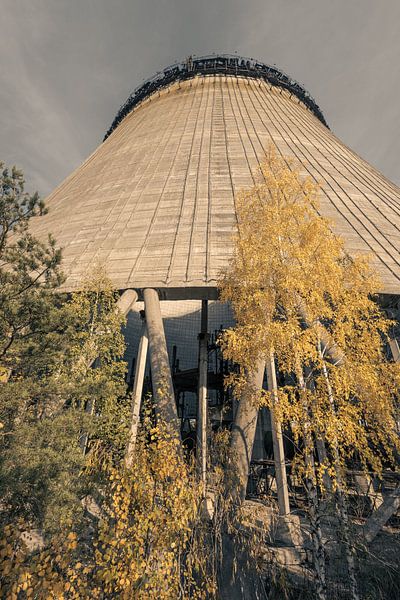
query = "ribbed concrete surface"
x=155 y=201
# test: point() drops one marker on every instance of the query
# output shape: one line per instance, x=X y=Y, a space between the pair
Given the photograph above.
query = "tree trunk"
x=341 y=499
x=244 y=430
x=318 y=549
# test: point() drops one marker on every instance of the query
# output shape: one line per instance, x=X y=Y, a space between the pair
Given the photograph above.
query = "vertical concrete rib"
x=335 y=174
x=343 y=199
x=332 y=181
x=186 y=198
x=190 y=98
x=197 y=196
x=210 y=187
x=346 y=158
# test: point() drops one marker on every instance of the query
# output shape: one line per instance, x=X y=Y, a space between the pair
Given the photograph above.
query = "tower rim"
x=215 y=64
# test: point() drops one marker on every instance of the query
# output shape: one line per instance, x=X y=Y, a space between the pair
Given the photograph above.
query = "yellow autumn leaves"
x=296 y=292
x=148 y=543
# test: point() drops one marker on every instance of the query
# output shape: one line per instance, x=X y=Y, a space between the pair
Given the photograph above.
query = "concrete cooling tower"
x=155 y=203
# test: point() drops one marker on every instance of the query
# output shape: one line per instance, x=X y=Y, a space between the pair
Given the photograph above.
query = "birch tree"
x=297 y=293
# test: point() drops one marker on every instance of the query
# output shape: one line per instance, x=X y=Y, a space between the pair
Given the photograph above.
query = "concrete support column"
x=124 y=304
x=126 y=301
x=319 y=440
x=394 y=347
x=201 y=446
x=381 y=515
x=137 y=393
x=263 y=425
x=322 y=459
x=163 y=390
x=244 y=430
x=277 y=441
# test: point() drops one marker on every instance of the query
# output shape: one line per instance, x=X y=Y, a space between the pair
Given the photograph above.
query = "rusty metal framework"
x=215 y=64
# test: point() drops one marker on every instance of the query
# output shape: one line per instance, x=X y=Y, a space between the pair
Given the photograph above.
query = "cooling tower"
x=155 y=203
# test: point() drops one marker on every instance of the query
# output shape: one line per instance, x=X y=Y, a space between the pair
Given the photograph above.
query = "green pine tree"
x=62 y=377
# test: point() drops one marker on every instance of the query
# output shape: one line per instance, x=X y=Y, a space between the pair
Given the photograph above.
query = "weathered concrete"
x=381 y=515
x=394 y=347
x=126 y=301
x=155 y=201
x=163 y=390
x=137 y=392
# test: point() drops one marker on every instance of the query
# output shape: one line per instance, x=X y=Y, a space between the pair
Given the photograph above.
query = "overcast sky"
x=67 y=65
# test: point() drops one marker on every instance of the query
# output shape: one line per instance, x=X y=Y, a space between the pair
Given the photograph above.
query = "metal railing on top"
x=227 y=64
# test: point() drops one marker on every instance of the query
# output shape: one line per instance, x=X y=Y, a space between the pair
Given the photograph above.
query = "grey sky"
x=67 y=65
